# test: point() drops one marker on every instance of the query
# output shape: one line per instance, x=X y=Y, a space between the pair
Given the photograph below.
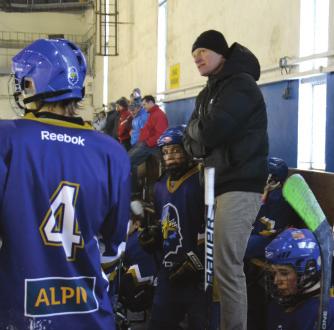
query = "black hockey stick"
x=299 y=195
x=209 y=193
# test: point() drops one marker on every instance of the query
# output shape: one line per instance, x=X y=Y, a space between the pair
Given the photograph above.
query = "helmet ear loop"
x=271 y=184
x=309 y=278
x=27 y=85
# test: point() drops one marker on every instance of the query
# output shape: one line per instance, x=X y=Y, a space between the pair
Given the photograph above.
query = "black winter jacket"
x=228 y=127
x=112 y=122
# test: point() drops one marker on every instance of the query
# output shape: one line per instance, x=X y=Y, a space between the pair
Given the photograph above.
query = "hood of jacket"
x=240 y=60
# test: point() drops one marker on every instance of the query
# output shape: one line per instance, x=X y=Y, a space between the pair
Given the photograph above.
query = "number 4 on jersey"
x=60 y=226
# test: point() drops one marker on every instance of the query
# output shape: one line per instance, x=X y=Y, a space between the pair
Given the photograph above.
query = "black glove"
x=150 y=239
x=134 y=295
x=189 y=268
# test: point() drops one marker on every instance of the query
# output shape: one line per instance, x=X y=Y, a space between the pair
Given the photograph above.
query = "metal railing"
x=44 y=5
x=107 y=21
x=18 y=40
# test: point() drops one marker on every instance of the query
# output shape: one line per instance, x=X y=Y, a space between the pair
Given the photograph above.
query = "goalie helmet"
x=56 y=68
x=278 y=169
x=299 y=249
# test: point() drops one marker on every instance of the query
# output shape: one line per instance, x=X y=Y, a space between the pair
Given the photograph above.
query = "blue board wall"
x=330 y=124
x=179 y=112
x=282 y=119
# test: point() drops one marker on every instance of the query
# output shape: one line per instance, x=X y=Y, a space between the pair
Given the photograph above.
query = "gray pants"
x=235 y=214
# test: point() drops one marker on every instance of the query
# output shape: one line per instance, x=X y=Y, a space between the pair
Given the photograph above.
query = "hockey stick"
x=209 y=195
x=301 y=198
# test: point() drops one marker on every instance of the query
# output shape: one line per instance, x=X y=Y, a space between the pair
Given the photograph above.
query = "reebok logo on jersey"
x=46 y=135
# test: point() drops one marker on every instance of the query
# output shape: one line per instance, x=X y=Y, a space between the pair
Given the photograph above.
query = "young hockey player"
x=62 y=186
x=179 y=203
x=294 y=282
x=275 y=213
x=139 y=267
x=274 y=216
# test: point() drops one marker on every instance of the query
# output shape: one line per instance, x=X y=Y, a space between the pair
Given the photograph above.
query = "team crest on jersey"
x=171 y=232
x=73 y=75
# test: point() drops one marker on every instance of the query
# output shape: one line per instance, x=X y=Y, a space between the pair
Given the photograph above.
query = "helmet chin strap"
x=46 y=95
x=299 y=298
x=16 y=96
x=313 y=288
x=26 y=109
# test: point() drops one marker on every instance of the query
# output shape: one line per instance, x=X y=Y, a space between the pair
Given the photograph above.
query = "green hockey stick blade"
x=299 y=195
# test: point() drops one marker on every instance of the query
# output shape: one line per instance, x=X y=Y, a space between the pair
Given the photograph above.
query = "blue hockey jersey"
x=180 y=206
x=63 y=187
x=274 y=215
x=138 y=262
x=303 y=317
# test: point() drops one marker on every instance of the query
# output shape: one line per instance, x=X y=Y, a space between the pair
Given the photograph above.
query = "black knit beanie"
x=213 y=40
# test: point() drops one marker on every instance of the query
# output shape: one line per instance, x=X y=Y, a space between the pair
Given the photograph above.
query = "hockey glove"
x=134 y=295
x=189 y=269
x=150 y=239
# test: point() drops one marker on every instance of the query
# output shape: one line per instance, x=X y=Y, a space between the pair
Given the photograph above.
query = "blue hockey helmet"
x=278 y=169
x=57 y=68
x=173 y=135
x=295 y=247
x=299 y=249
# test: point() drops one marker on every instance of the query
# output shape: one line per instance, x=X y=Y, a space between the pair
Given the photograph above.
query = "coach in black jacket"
x=228 y=129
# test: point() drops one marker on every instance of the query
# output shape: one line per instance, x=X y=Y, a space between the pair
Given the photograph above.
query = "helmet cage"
x=15 y=96
x=306 y=279
x=174 y=157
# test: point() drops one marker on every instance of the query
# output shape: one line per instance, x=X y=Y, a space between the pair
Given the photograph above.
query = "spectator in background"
x=124 y=123
x=156 y=124
x=140 y=116
x=99 y=120
x=135 y=95
x=111 y=126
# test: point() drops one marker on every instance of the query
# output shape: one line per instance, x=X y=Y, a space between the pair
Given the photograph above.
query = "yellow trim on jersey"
x=57 y=122
x=176 y=184
x=215 y=292
x=331 y=290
